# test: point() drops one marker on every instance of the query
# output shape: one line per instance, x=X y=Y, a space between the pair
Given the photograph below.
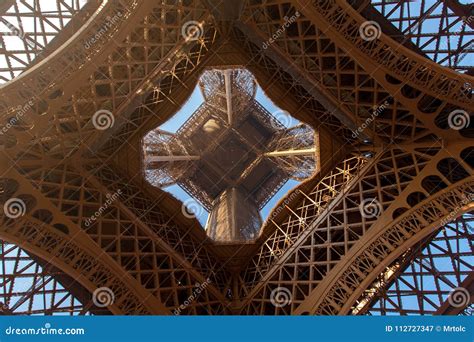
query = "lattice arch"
x=27 y=27
x=421 y=281
x=441 y=30
x=380 y=109
x=29 y=285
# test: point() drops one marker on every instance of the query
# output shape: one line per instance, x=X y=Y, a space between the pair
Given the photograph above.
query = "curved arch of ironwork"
x=311 y=247
x=28 y=285
x=422 y=280
x=386 y=245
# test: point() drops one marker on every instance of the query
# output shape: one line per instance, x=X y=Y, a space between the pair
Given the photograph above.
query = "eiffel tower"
x=381 y=222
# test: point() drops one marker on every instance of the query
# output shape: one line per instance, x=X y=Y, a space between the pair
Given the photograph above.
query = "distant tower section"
x=231 y=155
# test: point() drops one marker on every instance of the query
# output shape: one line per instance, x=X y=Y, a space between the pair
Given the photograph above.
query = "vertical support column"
x=228 y=94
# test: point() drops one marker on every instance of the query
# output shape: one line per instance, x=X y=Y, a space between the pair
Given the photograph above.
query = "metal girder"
x=228 y=95
x=225 y=13
x=309 y=84
x=284 y=242
x=5 y=5
x=448 y=309
x=461 y=10
x=30 y=201
x=449 y=45
x=170 y=158
x=319 y=234
x=143 y=91
x=53 y=26
x=179 y=260
x=291 y=152
x=413 y=80
x=49 y=84
x=421 y=272
x=340 y=74
x=320 y=300
x=50 y=290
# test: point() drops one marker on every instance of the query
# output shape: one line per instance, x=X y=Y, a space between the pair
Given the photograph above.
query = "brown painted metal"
x=316 y=243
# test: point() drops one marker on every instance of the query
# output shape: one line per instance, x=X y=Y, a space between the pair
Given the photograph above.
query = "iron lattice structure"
x=425 y=275
x=381 y=108
x=231 y=155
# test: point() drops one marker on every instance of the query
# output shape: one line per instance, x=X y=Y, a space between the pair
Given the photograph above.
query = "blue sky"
x=432 y=25
x=194 y=101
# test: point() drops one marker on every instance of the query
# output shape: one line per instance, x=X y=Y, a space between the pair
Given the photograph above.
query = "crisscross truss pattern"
x=442 y=30
x=384 y=226
x=28 y=27
x=27 y=287
x=136 y=234
x=422 y=280
x=115 y=73
x=319 y=64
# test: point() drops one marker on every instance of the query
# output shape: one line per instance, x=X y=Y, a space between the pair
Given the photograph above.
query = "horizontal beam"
x=152 y=159
x=289 y=153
